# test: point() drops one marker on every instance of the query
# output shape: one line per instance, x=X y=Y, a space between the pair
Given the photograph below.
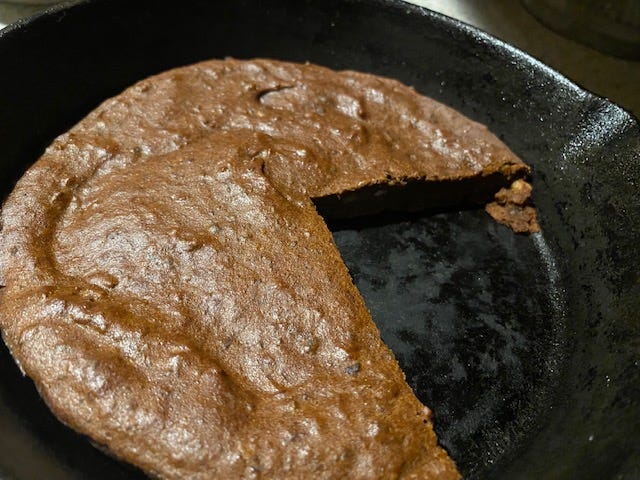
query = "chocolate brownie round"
x=174 y=294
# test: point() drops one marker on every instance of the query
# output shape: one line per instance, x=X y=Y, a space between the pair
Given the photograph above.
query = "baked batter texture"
x=174 y=294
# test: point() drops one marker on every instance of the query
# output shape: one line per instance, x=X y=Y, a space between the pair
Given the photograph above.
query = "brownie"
x=172 y=290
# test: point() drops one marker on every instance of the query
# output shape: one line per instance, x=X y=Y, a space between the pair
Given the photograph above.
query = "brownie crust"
x=174 y=294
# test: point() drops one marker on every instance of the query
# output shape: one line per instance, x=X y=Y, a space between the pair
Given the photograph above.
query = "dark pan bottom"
x=472 y=313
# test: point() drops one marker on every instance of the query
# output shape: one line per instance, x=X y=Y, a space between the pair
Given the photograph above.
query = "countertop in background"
x=616 y=79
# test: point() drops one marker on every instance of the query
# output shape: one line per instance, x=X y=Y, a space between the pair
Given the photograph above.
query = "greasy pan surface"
x=526 y=348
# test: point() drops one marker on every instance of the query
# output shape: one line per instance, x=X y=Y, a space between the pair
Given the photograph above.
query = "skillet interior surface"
x=526 y=348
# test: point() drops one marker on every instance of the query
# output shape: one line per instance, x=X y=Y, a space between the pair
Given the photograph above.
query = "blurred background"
x=595 y=43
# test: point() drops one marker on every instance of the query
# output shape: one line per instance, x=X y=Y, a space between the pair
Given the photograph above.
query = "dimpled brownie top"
x=174 y=294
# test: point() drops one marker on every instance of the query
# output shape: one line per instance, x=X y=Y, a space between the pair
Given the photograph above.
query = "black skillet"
x=526 y=348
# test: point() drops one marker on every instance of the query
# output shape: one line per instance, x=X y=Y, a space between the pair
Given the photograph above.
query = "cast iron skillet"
x=526 y=348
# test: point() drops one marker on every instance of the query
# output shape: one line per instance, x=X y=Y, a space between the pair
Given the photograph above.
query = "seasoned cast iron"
x=527 y=348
